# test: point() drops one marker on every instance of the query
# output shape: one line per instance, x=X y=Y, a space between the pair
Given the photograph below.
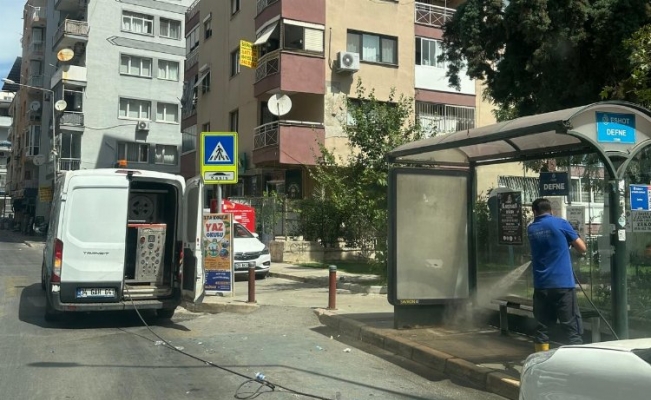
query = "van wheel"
x=51 y=315
x=43 y=286
x=165 y=313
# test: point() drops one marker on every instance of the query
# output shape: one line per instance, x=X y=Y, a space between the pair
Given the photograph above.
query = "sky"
x=11 y=26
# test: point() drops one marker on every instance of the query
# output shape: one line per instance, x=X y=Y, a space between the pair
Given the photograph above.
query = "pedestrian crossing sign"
x=218 y=157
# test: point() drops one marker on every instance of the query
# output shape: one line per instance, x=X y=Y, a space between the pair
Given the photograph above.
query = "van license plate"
x=241 y=265
x=95 y=292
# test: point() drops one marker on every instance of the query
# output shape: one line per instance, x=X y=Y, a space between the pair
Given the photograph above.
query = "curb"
x=216 y=308
x=323 y=281
x=484 y=378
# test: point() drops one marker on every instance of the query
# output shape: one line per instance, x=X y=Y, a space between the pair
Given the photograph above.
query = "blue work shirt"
x=550 y=237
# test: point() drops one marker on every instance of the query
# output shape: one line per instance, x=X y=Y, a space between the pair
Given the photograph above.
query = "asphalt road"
x=114 y=356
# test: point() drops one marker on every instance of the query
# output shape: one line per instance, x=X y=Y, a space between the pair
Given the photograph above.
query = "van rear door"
x=193 y=274
x=93 y=234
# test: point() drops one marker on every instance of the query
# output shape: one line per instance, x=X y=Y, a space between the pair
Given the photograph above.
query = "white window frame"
x=192 y=40
x=166 y=108
x=166 y=22
x=167 y=64
x=140 y=146
x=371 y=36
x=308 y=30
x=133 y=60
x=146 y=19
x=436 y=44
x=130 y=102
x=160 y=151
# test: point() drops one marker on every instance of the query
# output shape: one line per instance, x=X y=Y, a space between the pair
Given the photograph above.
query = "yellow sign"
x=218 y=151
x=45 y=194
x=218 y=251
x=248 y=54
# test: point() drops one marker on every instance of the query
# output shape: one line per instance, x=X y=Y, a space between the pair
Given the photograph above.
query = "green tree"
x=351 y=195
x=543 y=55
x=637 y=86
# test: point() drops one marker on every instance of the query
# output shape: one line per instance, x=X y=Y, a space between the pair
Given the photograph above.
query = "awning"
x=201 y=78
x=265 y=34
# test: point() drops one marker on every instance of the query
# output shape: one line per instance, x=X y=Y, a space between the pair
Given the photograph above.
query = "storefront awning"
x=265 y=34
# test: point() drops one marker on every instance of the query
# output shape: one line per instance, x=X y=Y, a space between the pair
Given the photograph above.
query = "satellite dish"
x=35 y=105
x=60 y=105
x=279 y=104
x=65 y=55
x=39 y=160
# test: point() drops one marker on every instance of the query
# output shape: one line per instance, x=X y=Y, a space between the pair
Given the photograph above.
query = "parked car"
x=248 y=247
x=599 y=371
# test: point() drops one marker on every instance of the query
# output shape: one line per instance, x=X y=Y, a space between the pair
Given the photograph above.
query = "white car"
x=599 y=371
x=249 y=248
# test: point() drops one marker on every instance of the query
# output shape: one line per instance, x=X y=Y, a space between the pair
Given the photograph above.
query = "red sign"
x=242 y=213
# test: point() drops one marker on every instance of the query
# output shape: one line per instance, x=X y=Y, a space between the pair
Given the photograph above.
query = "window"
x=168 y=70
x=170 y=28
x=233 y=120
x=133 y=152
x=137 y=23
x=437 y=119
x=235 y=6
x=373 y=48
x=302 y=38
x=192 y=40
x=207 y=29
x=189 y=139
x=585 y=191
x=33 y=141
x=205 y=127
x=235 y=62
x=167 y=112
x=166 y=154
x=205 y=83
x=135 y=66
x=135 y=109
x=428 y=52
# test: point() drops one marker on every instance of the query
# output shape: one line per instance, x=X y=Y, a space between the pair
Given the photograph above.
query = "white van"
x=120 y=238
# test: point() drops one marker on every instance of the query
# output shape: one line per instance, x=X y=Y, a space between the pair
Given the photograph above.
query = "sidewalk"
x=478 y=354
x=18 y=237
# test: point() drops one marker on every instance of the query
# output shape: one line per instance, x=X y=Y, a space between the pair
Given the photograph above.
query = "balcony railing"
x=262 y=4
x=37 y=14
x=192 y=58
x=267 y=134
x=36 y=81
x=72 y=118
x=192 y=10
x=69 y=164
x=72 y=27
x=267 y=66
x=431 y=15
x=36 y=48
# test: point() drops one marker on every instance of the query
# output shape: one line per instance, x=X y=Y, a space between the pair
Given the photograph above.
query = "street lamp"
x=55 y=150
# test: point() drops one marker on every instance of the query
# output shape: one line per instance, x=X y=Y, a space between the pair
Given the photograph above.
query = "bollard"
x=251 y=282
x=332 y=292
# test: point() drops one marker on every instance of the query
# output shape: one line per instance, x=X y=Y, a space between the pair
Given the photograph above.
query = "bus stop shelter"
x=433 y=189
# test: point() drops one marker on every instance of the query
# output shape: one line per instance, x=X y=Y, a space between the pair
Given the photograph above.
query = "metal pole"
x=55 y=140
x=332 y=291
x=251 y=283
x=219 y=198
x=619 y=262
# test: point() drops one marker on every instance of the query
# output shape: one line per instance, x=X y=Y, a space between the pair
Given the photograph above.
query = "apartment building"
x=312 y=51
x=6 y=98
x=112 y=74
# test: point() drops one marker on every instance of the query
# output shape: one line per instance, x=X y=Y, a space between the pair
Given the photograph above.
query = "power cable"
x=260 y=379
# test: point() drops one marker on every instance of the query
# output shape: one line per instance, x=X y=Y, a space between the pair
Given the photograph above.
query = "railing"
x=267 y=134
x=69 y=164
x=262 y=4
x=192 y=10
x=36 y=81
x=192 y=58
x=38 y=14
x=72 y=118
x=72 y=27
x=432 y=15
x=267 y=66
x=36 y=48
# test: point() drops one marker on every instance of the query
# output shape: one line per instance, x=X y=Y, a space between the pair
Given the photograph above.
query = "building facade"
x=313 y=52
x=112 y=75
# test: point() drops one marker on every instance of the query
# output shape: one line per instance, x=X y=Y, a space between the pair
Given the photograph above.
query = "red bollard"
x=332 y=292
x=251 y=283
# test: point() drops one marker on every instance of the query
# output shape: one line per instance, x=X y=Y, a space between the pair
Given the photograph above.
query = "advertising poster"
x=509 y=218
x=576 y=218
x=218 y=252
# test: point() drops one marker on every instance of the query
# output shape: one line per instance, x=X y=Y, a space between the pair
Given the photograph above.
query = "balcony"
x=431 y=15
x=69 y=164
x=289 y=72
x=36 y=81
x=73 y=119
x=313 y=11
x=70 y=33
x=70 y=5
x=69 y=74
x=288 y=142
x=192 y=10
x=34 y=117
x=192 y=59
x=37 y=15
x=36 y=50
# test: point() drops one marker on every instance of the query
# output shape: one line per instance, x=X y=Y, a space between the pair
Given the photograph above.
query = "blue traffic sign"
x=219 y=150
x=553 y=184
x=639 y=195
x=615 y=128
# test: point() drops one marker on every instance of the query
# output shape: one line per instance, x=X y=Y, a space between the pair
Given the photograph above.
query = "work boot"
x=541 y=347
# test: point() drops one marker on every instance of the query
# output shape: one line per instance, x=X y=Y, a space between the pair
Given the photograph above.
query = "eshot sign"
x=615 y=128
x=553 y=184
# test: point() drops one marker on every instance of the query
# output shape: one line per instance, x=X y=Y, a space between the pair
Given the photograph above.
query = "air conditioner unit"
x=142 y=126
x=347 y=61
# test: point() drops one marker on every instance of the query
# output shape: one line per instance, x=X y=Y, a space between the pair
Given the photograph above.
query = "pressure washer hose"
x=594 y=306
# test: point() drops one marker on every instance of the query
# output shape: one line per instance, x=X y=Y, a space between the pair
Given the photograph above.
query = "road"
x=113 y=356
